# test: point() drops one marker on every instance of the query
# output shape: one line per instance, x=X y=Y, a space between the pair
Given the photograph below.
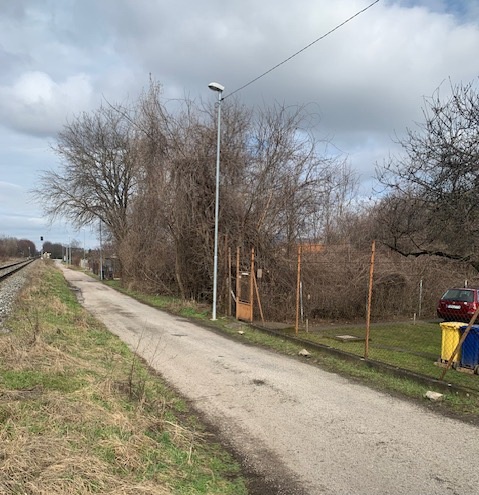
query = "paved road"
x=301 y=429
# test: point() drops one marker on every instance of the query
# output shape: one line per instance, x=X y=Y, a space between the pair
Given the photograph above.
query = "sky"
x=366 y=81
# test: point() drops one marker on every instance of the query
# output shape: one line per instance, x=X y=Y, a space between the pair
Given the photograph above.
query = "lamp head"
x=214 y=86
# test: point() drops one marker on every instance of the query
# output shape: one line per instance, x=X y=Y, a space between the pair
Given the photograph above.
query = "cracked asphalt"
x=297 y=429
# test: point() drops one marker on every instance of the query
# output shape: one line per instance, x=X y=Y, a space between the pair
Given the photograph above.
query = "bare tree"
x=289 y=189
x=148 y=174
x=274 y=187
x=97 y=176
x=432 y=206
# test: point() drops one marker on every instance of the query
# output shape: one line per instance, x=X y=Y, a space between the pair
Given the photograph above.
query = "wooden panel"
x=244 y=311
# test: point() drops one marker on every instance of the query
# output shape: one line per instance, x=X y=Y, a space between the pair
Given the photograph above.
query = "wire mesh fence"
x=374 y=304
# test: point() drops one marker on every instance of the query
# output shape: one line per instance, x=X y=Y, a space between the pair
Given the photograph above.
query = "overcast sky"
x=366 y=81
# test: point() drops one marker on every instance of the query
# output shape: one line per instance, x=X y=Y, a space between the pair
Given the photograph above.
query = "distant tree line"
x=56 y=250
x=11 y=247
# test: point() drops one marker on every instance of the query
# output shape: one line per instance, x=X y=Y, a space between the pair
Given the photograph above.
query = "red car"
x=458 y=304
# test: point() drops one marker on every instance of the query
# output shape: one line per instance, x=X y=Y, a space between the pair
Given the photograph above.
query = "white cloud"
x=17 y=215
x=38 y=105
x=10 y=192
x=366 y=81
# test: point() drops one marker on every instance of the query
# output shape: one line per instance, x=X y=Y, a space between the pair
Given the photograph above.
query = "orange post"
x=370 y=296
x=238 y=281
x=258 y=298
x=298 y=284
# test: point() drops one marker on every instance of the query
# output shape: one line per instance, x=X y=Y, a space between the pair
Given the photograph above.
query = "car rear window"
x=459 y=295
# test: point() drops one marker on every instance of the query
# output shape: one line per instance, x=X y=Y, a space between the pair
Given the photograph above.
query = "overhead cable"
x=302 y=50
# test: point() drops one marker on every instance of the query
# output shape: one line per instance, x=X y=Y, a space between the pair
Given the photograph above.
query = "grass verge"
x=188 y=309
x=414 y=347
x=80 y=413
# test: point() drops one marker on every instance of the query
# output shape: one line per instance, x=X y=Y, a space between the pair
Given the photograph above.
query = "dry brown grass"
x=79 y=414
x=41 y=465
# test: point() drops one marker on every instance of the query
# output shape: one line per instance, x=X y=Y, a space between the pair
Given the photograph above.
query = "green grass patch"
x=413 y=347
x=28 y=379
x=187 y=308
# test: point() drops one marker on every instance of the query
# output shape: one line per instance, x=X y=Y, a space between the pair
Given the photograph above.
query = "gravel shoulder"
x=9 y=290
x=299 y=429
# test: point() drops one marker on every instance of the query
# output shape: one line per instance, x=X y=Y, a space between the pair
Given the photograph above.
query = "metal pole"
x=301 y=301
x=217 y=204
x=101 y=257
x=251 y=285
x=238 y=281
x=420 y=300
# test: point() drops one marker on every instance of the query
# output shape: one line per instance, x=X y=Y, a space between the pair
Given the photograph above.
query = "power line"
x=302 y=49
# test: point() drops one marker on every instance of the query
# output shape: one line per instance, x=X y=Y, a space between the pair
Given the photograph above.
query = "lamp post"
x=101 y=256
x=219 y=89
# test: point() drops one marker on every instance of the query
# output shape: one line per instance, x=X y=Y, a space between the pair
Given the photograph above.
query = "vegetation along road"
x=304 y=430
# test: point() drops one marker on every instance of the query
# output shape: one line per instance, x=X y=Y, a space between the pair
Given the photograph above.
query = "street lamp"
x=219 y=89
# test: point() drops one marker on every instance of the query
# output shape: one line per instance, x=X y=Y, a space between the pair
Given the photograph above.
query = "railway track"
x=12 y=279
x=11 y=268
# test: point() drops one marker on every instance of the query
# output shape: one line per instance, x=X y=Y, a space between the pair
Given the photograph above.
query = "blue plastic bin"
x=470 y=349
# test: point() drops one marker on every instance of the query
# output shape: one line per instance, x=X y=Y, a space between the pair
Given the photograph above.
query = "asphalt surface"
x=298 y=429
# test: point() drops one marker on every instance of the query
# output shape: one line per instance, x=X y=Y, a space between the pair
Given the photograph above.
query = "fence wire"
x=326 y=294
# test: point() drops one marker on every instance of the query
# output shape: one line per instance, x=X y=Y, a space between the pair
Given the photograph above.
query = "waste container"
x=470 y=349
x=451 y=335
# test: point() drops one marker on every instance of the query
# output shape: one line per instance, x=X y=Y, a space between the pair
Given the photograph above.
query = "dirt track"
x=300 y=429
